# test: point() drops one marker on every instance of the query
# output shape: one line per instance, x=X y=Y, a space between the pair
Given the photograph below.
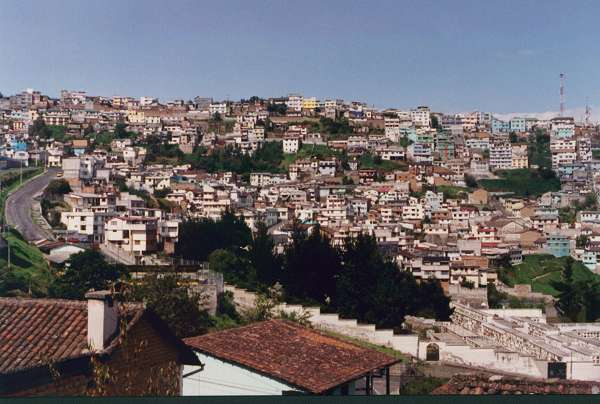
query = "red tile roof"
x=35 y=332
x=294 y=354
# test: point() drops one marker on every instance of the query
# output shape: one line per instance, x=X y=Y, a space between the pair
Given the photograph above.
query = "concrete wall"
x=583 y=371
x=487 y=358
x=524 y=292
x=407 y=344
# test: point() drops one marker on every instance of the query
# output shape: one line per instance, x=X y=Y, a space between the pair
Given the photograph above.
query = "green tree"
x=278 y=109
x=569 y=296
x=582 y=241
x=311 y=266
x=470 y=181
x=434 y=301
x=590 y=296
x=200 y=237
x=58 y=188
x=40 y=129
x=494 y=296
x=226 y=306
x=373 y=289
x=121 y=130
x=590 y=201
x=87 y=270
x=234 y=269
x=262 y=256
x=175 y=304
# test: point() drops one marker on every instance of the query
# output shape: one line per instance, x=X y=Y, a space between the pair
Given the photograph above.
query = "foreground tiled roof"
x=294 y=354
x=35 y=332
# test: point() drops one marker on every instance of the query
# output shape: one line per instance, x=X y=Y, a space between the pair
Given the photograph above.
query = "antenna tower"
x=588 y=114
x=562 y=94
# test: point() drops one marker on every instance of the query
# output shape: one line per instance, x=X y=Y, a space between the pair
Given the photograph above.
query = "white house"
x=279 y=357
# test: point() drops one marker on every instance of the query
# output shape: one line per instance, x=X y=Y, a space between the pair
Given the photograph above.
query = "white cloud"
x=577 y=113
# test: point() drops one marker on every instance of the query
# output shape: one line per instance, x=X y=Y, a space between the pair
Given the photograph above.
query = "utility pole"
x=21 y=173
x=8 y=244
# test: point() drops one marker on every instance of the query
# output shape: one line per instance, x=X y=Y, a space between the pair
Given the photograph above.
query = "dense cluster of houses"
x=409 y=206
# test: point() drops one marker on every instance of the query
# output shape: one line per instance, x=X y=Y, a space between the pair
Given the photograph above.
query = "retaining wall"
x=407 y=344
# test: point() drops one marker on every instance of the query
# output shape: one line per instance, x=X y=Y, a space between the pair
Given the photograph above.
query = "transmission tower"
x=562 y=94
x=588 y=114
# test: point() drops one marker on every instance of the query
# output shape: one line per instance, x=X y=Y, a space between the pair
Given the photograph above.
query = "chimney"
x=103 y=318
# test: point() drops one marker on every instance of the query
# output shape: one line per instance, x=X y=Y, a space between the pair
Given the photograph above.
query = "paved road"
x=18 y=207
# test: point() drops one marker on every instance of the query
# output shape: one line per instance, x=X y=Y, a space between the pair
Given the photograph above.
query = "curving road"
x=18 y=206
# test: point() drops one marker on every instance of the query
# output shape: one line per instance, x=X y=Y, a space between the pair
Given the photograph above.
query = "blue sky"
x=501 y=56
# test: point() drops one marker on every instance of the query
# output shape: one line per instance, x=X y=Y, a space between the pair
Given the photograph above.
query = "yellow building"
x=310 y=103
x=136 y=116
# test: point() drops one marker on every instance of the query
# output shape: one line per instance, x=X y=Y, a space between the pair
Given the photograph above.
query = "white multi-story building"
x=392 y=128
x=132 y=234
x=220 y=108
x=564 y=151
x=87 y=223
x=147 y=101
x=421 y=116
x=291 y=144
x=294 y=102
x=500 y=155
x=562 y=128
x=584 y=149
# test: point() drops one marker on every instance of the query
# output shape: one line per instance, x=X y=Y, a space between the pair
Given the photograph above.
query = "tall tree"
x=569 y=296
x=262 y=256
x=40 y=129
x=200 y=237
x=373 y=289
x=121 y=130
x=312 y=266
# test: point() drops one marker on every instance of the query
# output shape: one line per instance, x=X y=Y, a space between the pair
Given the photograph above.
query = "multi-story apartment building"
x=500 y=155
x=584 y=149
x=291 y=144
x=518 y=124
x=294 y=102
x=564 y=151
x=132 y=234
x=221 y=108
x=310 y=103
x=520 y=158
x=562 y=128
x=89 y=223
x=421 y=116
x=392 y=128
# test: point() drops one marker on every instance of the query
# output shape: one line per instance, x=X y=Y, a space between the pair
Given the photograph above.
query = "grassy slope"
x=522 y=182
x=541 y=270
x=27 y=263
x=452 y=192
